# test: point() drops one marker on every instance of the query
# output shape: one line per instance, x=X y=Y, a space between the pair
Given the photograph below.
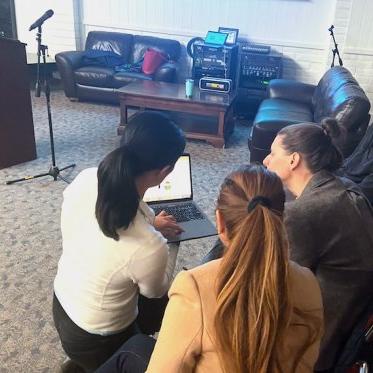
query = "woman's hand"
x=166 y=224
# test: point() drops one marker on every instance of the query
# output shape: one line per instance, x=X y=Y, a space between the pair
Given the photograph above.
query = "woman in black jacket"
x=329 y=225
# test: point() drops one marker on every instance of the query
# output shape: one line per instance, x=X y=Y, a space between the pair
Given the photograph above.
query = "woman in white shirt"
x=113 y=246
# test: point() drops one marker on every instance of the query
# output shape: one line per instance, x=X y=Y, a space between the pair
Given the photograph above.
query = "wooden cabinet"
x=17 y=139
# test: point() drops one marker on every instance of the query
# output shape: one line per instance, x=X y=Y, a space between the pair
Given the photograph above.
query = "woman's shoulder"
x=204 y=272
x=324 y=187
x=201 y=277
x=326 y=195
x=320 y=197
x=304 y=287
x=88 y=174
x=84 y=180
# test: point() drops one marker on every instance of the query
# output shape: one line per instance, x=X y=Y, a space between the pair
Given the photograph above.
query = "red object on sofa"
x=152 y=60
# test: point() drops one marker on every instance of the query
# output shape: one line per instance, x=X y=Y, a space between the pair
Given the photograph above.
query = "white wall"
x=295 y=28
x=58 y=32
x=358 y=47
x=275 y=21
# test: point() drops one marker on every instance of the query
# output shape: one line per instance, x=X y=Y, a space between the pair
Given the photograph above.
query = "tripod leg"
x=69 y=166
x=334 y=53
x=64 y=168
x=53 y=171
x=26 y=178
x=64 y=179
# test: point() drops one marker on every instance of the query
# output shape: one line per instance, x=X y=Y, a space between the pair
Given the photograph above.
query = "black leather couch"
x=337 y=95
x=98 y=83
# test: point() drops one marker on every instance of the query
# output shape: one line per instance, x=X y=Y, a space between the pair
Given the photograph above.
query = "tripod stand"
x=335 y=49
x=54 y=171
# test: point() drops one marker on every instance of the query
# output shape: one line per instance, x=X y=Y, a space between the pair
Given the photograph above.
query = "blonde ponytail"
x=254 y=306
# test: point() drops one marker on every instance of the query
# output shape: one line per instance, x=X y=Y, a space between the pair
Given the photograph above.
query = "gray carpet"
x=30 y=238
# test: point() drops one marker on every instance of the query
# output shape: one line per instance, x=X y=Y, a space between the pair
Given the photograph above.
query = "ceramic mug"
x=189 y=85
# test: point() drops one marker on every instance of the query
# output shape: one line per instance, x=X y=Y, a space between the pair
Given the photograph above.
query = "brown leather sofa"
x=99 y=83
x=337 y=95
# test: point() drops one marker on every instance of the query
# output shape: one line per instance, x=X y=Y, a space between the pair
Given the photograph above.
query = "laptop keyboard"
x=184 y=212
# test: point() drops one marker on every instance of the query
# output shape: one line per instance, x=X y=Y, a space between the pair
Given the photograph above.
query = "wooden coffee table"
x=171 y=97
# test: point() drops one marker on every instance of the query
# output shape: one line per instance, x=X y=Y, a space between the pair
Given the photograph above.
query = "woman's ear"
x=221 y=227
x=294 y=160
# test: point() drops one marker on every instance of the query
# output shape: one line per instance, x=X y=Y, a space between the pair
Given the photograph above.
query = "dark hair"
x=150 y=141
x=315 y=142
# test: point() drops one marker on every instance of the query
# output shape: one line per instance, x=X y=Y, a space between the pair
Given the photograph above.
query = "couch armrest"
x=291 y=90
x=67 y=62
x=167 y=72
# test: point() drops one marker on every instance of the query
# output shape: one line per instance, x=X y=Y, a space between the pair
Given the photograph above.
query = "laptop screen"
x=217 y=38
x=176 y=186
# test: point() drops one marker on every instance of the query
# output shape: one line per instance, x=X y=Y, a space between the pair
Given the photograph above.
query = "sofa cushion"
x=123 y=78
x=339 y=95
x=95 y=76
x=274 y=114
x=116 y=42
x=142 y=43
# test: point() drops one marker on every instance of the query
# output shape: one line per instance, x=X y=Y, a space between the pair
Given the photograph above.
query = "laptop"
x=214 y=38
x=175 y=196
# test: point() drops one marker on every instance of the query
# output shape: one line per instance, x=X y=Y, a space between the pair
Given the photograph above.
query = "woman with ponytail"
x=252 y=310
x=113 y=246
x=329 y=226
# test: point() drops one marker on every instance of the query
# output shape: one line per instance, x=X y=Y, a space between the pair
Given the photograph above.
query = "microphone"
x=48 y=14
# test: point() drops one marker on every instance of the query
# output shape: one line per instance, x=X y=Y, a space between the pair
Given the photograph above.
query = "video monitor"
x=216 y=38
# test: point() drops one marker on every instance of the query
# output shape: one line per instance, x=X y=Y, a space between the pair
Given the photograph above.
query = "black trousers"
x=132 y=357
x=215 y=253
x=90 y=351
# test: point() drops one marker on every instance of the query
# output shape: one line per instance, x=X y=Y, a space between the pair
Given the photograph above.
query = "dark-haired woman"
x=113 y=249
x=329 y=225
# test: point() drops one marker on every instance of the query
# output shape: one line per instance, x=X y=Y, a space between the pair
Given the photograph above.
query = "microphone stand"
x=54 y=171
x=335 y=49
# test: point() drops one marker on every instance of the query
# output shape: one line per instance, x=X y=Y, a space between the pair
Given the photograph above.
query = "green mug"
x=189 y=85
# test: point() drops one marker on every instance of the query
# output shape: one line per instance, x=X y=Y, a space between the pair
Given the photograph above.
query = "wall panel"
x=360 y=31
x=276 y=21
x=58 y=31
x=284 y=24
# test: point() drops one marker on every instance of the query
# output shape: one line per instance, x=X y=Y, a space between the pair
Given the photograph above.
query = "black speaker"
x=215 y=61
x=256 y=70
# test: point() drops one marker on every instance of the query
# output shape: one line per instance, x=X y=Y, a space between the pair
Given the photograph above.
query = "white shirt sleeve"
x=152 y=268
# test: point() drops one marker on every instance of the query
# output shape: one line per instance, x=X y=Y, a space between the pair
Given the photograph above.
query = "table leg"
x=125 y=114
x=123 y=118
x=229 y=125
x=219 y=142
x=221 y=122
